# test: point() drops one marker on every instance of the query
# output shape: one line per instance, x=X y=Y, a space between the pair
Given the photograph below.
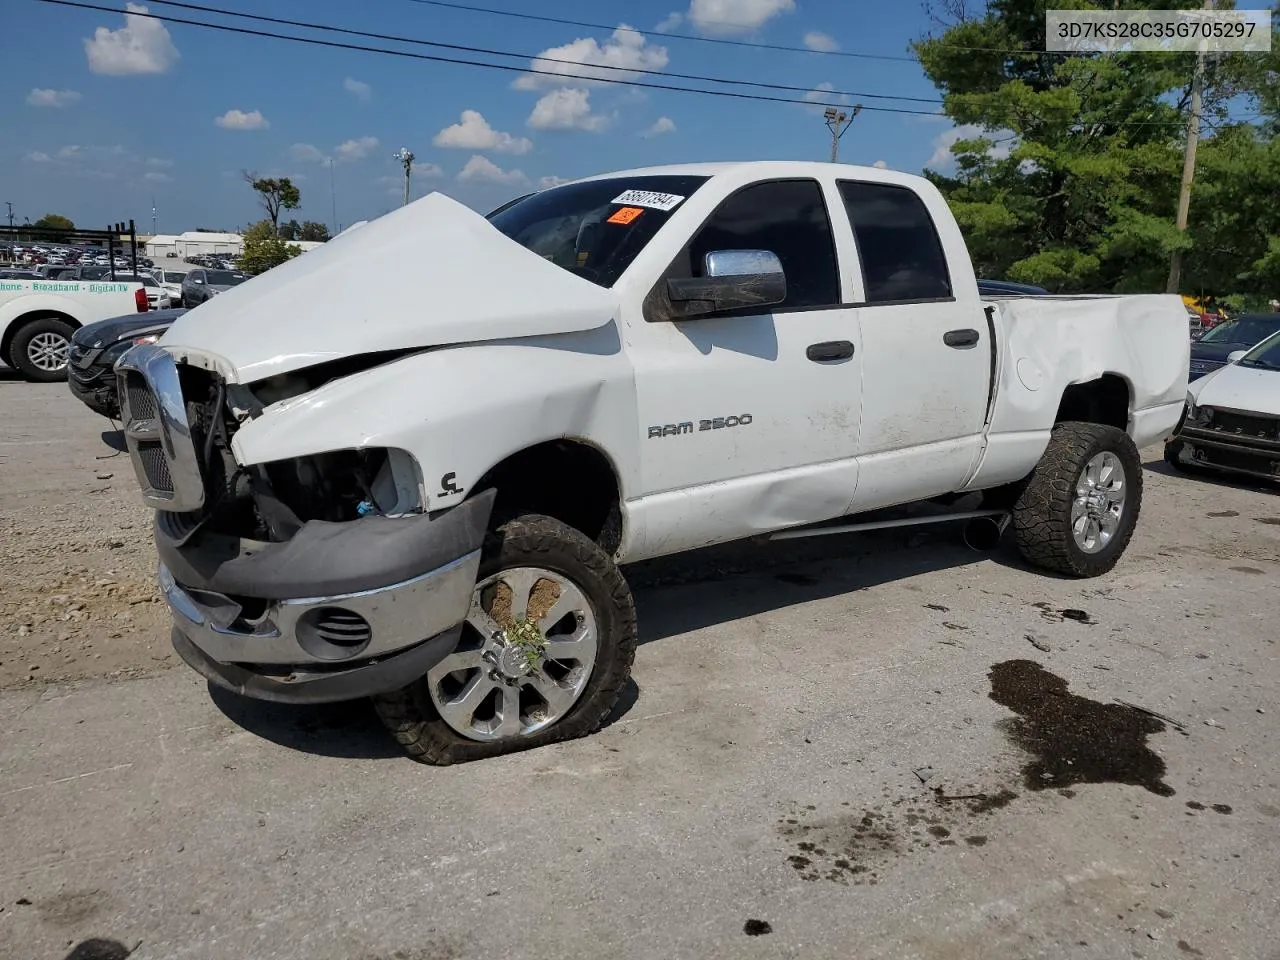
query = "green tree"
x=290 y=230
x=54 y=221
x=275 y=194
x=1070 y=175
x=264 y=248
x=314 y=232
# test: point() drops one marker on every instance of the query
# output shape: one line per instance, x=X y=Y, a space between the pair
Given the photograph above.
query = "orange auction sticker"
x=626 y=215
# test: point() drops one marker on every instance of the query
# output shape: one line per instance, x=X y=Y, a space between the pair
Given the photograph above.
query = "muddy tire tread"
x=546 y=542
x=1042 y=512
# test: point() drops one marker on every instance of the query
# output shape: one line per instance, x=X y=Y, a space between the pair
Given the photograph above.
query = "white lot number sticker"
x=647 y=198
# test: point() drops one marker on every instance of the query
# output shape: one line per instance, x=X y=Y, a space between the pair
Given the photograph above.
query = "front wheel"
x=544 y=652
x=1078 y=511
x=41 y=349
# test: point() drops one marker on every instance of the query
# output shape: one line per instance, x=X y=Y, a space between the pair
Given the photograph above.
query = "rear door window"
x=898 y=244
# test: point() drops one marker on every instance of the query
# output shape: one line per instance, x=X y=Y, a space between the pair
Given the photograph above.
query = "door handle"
x=960 y=338
x=829 y=351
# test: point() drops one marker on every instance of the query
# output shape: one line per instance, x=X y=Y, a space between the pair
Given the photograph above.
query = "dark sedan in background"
x=95 y=348
x=1247 y=330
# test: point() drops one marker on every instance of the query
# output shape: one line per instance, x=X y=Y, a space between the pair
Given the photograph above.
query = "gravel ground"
x=77 y=585
x=883 y=747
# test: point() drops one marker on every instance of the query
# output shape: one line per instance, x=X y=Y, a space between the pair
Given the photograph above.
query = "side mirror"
x=1236 y=355
x=732 y=279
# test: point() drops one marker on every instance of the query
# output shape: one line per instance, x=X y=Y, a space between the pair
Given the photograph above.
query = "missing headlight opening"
x=271 y=501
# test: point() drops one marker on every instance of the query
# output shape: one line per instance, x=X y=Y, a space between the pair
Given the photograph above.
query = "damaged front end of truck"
x=308 y=579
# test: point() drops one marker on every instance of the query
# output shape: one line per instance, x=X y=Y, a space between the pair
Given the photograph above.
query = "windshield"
x=1246 y=330
x=225 y=278
x=1265 y=356
x=596 y=228
x=170 y=277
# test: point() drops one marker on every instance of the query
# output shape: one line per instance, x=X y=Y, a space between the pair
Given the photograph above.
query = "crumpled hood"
x=1240 y=388
x=429 y=274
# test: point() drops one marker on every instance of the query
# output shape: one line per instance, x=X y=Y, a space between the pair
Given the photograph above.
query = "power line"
x=539 y=57
x=506 y=68
x=334 y=44
x=657 y=33
x=447 y=4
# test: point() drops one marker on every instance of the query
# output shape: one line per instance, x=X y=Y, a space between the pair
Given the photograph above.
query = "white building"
x=193 y=243
x=161 y=245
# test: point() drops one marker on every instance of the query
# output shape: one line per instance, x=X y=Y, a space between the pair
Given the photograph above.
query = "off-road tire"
x=18 y=348
x=1042 y=513
x=539 y=541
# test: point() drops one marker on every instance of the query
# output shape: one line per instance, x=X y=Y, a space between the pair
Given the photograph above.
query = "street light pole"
x=1188 y=163
x=406 y=158
x=838 y=122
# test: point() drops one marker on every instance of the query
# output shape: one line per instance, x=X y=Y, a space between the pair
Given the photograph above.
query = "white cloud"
x=52 y=98
x=484 y=170
x=361 y=89
x=98 y=162
x=156 y=177
x=735 y=16
x=822 y=97
x=942 y=143
x=817 y=40
x=621 y=55
x=306 y=153
x=566 y=109
x=141 y=46
x=660 y=126
x=356 y=149
x=473 y=132
x=669 y=22
x=239 y=120
x=880 y=165
x=552 y=181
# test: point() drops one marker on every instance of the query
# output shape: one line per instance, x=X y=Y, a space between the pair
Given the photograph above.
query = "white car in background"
x=1232 y=420
x=171 y=280
x=157 y=295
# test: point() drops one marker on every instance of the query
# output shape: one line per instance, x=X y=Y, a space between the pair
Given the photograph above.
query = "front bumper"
x=1210 y=449
x=95 y=388
x=341 y=611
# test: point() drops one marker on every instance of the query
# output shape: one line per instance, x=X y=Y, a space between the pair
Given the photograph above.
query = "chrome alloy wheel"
x=514 y=678
x=1099 y=502
x=49 y=351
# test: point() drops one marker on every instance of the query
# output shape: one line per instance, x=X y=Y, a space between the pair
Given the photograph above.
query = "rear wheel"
x=544 y=652
x=1078 y=511
x=41 y=349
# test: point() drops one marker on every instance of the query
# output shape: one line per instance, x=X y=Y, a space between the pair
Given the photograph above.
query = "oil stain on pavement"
x=1069 y=739
x=1072 y=739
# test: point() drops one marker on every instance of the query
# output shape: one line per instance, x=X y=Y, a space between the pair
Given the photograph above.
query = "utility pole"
x=333 y=195
x=838 y=122
x=406 y=158
x=1188 y=162
x=153 y=216
x=9 y=204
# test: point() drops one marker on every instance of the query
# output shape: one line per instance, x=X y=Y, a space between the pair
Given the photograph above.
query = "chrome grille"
x=156 y=467
x=157 y=431
x=142 y=405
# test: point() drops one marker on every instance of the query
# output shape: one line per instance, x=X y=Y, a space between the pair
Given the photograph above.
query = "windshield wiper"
x=1260 y=364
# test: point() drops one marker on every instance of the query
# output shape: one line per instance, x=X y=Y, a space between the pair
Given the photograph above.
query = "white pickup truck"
x=427 y=501
x=38 y=318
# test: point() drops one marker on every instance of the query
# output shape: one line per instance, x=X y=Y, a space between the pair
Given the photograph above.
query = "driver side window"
x=786 y=217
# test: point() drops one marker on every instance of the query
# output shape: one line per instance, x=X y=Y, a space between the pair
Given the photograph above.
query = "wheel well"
x=569 y=480
x=1105 y=401
x=17 y=323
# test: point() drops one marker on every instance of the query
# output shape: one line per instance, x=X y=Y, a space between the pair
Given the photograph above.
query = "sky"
x=104 y=115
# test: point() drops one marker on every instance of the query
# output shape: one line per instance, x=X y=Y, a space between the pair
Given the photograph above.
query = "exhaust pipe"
x=983 y=533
